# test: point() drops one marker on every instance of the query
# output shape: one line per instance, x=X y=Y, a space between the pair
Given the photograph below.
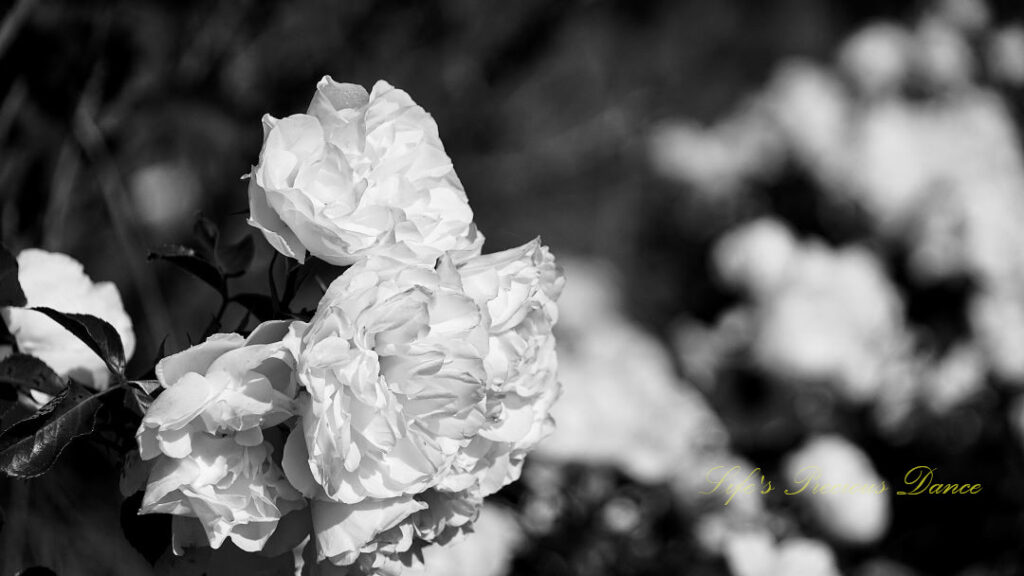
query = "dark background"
x=119 y=121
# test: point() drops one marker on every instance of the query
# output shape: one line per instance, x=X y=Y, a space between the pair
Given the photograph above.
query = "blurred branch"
x=13 y=21
x=10 y=108
x=93 y=143
x=65 y=174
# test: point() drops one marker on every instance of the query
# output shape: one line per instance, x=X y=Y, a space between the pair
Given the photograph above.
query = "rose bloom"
x=392 y=363
x=518 y=288
x=206 y=433
x=357 y=174
x=58 y=281
x=424 y=387
x=234 y=491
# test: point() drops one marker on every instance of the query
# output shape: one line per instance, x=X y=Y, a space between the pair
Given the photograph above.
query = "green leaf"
x=32 y=446
x=11 y=293
x=188 y=260
x=29 y=372
x=99 y=336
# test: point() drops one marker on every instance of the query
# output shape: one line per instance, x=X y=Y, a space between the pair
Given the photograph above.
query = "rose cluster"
x=417 y=388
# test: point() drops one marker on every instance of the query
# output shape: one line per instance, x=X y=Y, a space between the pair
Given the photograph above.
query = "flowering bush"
x=350 y=437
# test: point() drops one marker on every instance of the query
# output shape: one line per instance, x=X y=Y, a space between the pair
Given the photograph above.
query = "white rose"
x=58 y=281
x=423 y=387
x=235 y=491
x=206 y=434
x=357 y=174
x=393 y=373
x=227 y=384
x=518 y=288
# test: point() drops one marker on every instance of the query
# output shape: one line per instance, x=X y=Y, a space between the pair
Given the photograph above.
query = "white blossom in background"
x=806 y=557
x=849 y=511
x=939 y=178
x=997 y=318
x=58 y=281
x=971 y=16
x=165 y=195
x=756 y=256
x=877 y=58
x=751 y=553
x=837 y=320
x=822 y=315
x=1006 y=54
x=355 y=175
x=943 y=55
x=716 y=161
x=756 y=553
x=605 y=363
x=926 y=381
x=703 y=350
x=811 y=111
x=954 y=379
x=1015 y=414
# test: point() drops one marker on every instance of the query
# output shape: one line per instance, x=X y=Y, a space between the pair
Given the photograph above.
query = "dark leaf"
x=140 y=395
x=30 y=447
x=207 y=237
x=137 y=401
x=212 y=328
x=240 y=329
x=24 y=371
x=134 y=473
x=147 y=386
x=260 y=305
x=13 y=413
x=6 y=338
x=161 y=351
x=306 y=314
x=187 y=259
x=235 y=259
x=150 y=534
x=10 y=289
x=99 y=336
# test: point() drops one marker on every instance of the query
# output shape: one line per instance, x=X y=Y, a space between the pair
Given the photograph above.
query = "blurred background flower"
x=791 y=235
